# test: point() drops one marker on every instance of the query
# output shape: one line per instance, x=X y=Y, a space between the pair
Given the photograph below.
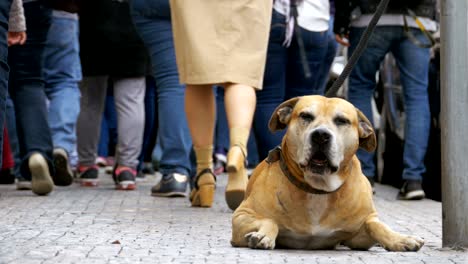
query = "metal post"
x=454 y=121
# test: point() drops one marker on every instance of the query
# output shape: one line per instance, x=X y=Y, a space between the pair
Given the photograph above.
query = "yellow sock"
x=239 y=136
x=204 y=156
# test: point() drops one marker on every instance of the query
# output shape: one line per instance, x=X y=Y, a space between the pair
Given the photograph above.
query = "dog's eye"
x=307 y=117
x=341 y=121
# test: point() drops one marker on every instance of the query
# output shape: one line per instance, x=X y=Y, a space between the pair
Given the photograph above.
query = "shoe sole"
x=235 y=188
x=169 y=194
x=23 y=186
x=413 y=195
x=41 y=183
x=126 y=186
x=89 y=182
x=63 y=174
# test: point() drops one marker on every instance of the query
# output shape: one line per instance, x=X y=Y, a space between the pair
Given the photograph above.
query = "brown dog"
x=311 y=193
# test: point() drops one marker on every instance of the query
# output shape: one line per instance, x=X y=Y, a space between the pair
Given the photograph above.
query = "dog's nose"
x=320 y=136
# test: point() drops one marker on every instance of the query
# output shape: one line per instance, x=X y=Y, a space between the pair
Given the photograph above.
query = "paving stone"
x=102 y=225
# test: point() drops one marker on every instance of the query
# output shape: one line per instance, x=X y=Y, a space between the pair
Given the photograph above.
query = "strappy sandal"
x=203 y=192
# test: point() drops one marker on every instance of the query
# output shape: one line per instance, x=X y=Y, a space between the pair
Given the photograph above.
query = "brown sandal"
x=203 y=192
x=237 y=177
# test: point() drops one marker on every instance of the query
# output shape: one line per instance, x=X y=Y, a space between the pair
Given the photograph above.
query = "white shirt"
x=313 y=15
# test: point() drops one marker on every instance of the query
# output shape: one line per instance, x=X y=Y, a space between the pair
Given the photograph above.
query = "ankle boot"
x=203 y=192
x=237 y=181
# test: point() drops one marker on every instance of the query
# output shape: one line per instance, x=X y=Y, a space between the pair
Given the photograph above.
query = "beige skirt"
x=221 y=41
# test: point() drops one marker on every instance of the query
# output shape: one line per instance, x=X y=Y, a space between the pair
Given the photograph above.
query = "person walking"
x=62 y=73
x=153 y=22
x=220 y=42
x=27 y=91
x=111 y=50
x=400 y=31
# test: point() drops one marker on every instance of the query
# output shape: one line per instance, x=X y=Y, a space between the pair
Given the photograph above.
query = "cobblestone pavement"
x=102 y=225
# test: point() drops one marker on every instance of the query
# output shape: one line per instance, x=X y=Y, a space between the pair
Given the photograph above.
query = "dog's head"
x=323 y=136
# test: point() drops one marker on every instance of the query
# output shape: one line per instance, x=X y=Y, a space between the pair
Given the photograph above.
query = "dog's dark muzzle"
x=320 y=137
x=319 y=161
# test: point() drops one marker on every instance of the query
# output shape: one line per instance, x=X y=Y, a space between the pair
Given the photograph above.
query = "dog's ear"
x=282 y=114
x=367 y=139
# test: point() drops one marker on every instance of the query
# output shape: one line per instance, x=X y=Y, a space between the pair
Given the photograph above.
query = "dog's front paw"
x=405 y=243
x=259 y=241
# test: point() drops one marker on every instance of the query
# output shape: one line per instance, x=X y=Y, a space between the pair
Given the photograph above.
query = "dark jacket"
x=109 y=42
x=422 y=8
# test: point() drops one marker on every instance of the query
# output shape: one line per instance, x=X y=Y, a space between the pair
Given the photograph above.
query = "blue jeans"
x=284 y=78
x=4 y=13
x=62 y=73
x=27 y=88
x=413 y=63
x=152 y=20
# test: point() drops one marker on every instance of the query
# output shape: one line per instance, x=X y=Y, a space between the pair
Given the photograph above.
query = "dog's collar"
x=275 y=155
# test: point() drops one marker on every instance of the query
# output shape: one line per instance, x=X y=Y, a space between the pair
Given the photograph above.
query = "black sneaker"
x=88 y=176
x=411 y=190
x=63 y=172
x=124 y=178
x=171 y=185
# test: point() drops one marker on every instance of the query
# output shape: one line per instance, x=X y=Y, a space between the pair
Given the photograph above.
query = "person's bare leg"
x=240 y=101
x=200 y=109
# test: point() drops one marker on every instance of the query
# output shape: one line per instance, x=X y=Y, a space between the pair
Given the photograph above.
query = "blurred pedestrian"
x=62 y=73
x=401 y=31
x=153 y=22
x=26 y=88
x=111 y=49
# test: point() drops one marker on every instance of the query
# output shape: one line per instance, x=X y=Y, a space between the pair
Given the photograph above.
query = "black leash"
x=359 y=49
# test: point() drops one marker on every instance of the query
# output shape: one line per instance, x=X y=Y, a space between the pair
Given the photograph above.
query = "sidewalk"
x=102 y=225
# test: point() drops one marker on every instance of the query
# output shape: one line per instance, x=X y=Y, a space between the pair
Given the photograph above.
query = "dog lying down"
x=310 y=193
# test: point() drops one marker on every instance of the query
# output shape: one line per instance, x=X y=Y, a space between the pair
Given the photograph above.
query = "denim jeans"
x=27 y=88
x=413 y=63
x=4 y=14
x=152 y=20
x=284 y=77
x=62 y=73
